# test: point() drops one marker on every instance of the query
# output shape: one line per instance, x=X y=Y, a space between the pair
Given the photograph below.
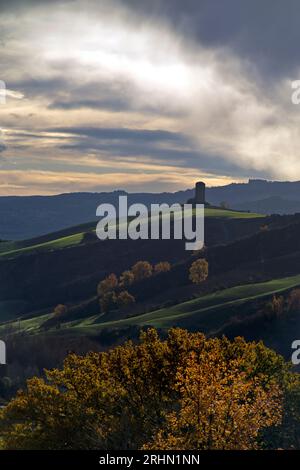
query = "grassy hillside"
x=62 y=238
x=73 y=236
x=230 y=214
x=207 y=313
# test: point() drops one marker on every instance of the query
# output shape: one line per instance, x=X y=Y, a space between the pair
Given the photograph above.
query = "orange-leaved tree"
x=221 y=406
x=107 y=285
x=162 y=267
x=124 y=299
x=184 y=392
x=141 y=270
x=199 y=271
x=126 y=278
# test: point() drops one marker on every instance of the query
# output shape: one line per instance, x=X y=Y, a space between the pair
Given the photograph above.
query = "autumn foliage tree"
x=126 y=278
x=106 y=292
x=275 y=307
x=162 y=267
x=124 y=299
x=199 y=271
x=109 y=288
x=142 y=270
x=185 y=392
x=108 y=301
x=221 y=407
x=107 y=285
x=60 y=310
x=294 y=300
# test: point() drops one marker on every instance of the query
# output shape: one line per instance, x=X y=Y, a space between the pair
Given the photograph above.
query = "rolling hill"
x=247 y=265
x=250 y=258
x=25 y=217
x=210 y=314
x=74 y=235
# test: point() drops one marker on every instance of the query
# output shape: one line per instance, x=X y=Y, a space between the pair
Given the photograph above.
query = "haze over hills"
x=267 y=197
x=30 y=216
x=270 y=205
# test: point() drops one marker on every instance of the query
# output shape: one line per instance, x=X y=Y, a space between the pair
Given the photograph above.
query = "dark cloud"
x=266 y=32
x=160 y=145
x=114 y=96
x=66 y=94
x=109 y=104
x=32 y=87
x=122 y=133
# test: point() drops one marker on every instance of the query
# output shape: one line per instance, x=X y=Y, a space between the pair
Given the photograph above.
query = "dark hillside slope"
x=265 y=255
x=68 y=274
x=71 y=274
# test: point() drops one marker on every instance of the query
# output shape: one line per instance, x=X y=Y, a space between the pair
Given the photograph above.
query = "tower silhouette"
x=200 y=193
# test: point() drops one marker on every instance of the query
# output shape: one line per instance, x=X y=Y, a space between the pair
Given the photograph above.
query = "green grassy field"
x=73 y=236
x=66 y=237
x=207 y=313
x=229 y=214
x=50 y=245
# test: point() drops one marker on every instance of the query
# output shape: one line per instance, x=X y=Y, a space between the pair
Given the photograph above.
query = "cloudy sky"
x=147 y=95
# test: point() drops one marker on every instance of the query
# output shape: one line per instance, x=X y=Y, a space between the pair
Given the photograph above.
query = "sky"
x=147 y=95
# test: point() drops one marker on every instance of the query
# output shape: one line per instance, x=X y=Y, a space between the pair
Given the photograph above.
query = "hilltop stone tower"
x=200 y=193
x=199 y=197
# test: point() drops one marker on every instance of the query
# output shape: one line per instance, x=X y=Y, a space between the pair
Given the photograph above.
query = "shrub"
x=199 y=271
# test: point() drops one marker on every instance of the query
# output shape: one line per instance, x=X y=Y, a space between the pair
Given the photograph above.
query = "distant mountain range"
x=280 y=197
x=270 y=205
x=24 y=217
x=266 y=197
